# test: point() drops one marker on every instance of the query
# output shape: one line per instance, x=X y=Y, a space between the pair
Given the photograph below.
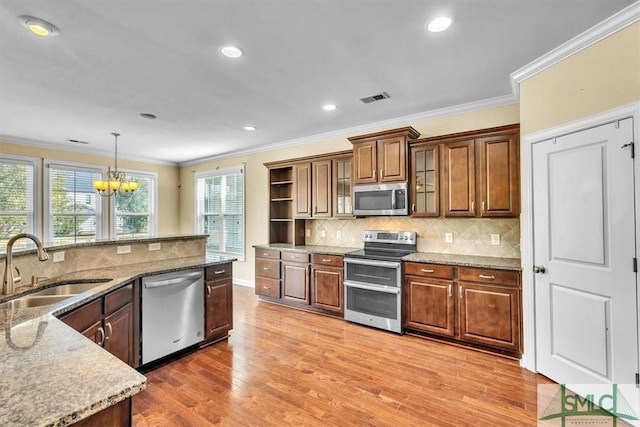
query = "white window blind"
x=220 y=207
x=74 y=207
x=17 y=198
x=135 y=212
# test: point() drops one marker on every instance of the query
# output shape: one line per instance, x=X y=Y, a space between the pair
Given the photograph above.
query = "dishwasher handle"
x=187 y=278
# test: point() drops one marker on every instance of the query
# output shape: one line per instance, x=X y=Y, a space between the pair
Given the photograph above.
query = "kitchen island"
x=51 y=375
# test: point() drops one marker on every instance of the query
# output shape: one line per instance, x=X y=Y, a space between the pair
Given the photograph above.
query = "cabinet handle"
x=375 y=174
x=208 y=291
x=413 y=207
x=426 y=271
x=483 y=276
x=218 y=272
x=450 y=291
x=325 y=260
x=265 y=287
x=107 y=336
x=315 y=209
x=381 y=173
x=460 y=293
x=473 y=206
x=266 y=268
x=482 y=206
x=265 y=254
x=101 y=331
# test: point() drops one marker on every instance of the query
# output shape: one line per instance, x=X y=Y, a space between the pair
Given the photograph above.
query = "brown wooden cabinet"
x=342 y=186
x=295 y=277
x=459 y=178
x=425 y=180
x=321 y=179
x=327 y=292
x=267 y=274
x=218 y=303
x=473 y=305
x=499 y=175
x=381 y=156
x=109 y=321
x=302 y=185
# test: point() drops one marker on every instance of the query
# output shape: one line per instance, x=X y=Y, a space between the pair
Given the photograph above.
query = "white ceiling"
x=115 y=59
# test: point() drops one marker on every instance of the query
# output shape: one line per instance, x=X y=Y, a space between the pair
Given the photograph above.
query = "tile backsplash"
x=470 y=236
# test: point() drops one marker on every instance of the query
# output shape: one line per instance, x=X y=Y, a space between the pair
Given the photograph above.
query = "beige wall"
x=256 y=173
x=168 y=199
x=598 y=78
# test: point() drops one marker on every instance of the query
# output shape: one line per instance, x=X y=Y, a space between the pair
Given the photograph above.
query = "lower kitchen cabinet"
x=326 y=282
x=218 y=304
x=118 y=415
x=109 y=322
x=267 y=272
x=295 y=277
x=471 y=305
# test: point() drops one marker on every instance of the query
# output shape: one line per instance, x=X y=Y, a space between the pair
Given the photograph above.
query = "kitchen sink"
x=33 y=301
x=70 y=288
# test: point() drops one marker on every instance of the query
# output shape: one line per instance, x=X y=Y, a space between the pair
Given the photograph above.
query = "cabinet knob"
x=539 y=269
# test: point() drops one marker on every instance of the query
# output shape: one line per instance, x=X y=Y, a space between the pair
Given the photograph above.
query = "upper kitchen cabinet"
x=382 y=156
x=302 y=185
x=321 y=188
x=342 y=186
x=459 y=178
x=425 y=180
x=499 y=164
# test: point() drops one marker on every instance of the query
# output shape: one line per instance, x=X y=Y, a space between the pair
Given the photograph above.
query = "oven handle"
x=371 y=262
x=382 y=288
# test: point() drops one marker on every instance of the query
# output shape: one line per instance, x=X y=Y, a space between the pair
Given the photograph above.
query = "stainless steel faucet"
x=9 y=279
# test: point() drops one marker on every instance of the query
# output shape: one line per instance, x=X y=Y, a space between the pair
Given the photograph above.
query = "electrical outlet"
x=322 y=233
x=495 y=239
x=58 y=256
x=307 y=232
x=339 y=234
x=126 y=249
x=448 y=237
x=154 y=246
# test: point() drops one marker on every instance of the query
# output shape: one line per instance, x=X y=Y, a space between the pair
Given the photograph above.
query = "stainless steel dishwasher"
x=172 y=313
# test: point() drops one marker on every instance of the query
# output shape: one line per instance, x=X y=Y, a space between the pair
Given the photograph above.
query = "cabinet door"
x=342 y=188
x=490 y=315
x=302 y=196
x=321 y=185
x=295 y=282
x=87 y=320
x=425 y=181
x=392 y=159
x=95 y=333
x=366 y=162
x=119 y=334
x=458 y=182
x=429 y=305
x=218 y=308
x=328 y=292
x=499 y=175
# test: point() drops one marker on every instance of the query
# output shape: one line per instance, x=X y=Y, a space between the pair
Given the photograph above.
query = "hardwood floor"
x=286 y=367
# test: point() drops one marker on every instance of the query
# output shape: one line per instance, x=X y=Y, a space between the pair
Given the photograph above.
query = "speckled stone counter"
x=51 y=375
x=466 y=260
x=315 y=249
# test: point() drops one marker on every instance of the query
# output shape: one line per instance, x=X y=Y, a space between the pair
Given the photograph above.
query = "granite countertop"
x=51 y=375
x=316 y=249
x=466 y=260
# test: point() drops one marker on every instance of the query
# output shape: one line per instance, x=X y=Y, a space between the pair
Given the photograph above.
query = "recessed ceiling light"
x=39 y=26
x=438 y=24
x=249 y=127
x=148 y=116
x=329 y=107
x=231 y=51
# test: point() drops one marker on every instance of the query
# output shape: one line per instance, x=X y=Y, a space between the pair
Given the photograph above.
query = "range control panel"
x=380 y=236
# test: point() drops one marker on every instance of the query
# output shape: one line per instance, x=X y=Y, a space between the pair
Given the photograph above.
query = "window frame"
x=153 y=204
x=199 y=214
x=36 y=226
x=102 y=208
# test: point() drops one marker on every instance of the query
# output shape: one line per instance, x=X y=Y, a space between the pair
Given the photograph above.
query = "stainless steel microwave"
x=381 y=199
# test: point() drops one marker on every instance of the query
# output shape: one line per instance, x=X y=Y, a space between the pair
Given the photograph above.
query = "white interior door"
x=584 y=238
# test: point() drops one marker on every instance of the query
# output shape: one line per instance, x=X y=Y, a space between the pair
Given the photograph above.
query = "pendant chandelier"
x=116 y=181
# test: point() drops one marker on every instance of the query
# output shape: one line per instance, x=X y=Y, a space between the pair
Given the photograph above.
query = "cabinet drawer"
x=486 y=275
x=268 y=268
x=82 y=318
x=216 y=272
x=428 y=270
x=332 y=260
x=295 y=257
x=118 y=299
x=267 y=253
x=268 y=287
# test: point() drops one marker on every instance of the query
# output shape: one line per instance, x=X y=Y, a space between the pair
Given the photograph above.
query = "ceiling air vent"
x=373 y=98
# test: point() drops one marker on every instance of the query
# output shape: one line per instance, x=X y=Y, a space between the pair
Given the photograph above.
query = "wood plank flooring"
x=286 y=367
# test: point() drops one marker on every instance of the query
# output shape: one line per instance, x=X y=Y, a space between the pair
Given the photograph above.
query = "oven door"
x=372 y=272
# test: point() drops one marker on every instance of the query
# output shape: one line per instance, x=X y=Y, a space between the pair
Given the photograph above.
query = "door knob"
x=539 y=269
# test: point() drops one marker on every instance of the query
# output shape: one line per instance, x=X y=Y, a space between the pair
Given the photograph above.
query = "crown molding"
x=365 y=129
x=82 y=149
x=609 y=26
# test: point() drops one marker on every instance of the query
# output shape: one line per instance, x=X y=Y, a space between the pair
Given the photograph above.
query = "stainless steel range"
x=373 y=279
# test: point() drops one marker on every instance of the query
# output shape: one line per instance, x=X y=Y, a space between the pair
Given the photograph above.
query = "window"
x=135 y=212
x=74 y=210
x=220 y=210
x=18 y=198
